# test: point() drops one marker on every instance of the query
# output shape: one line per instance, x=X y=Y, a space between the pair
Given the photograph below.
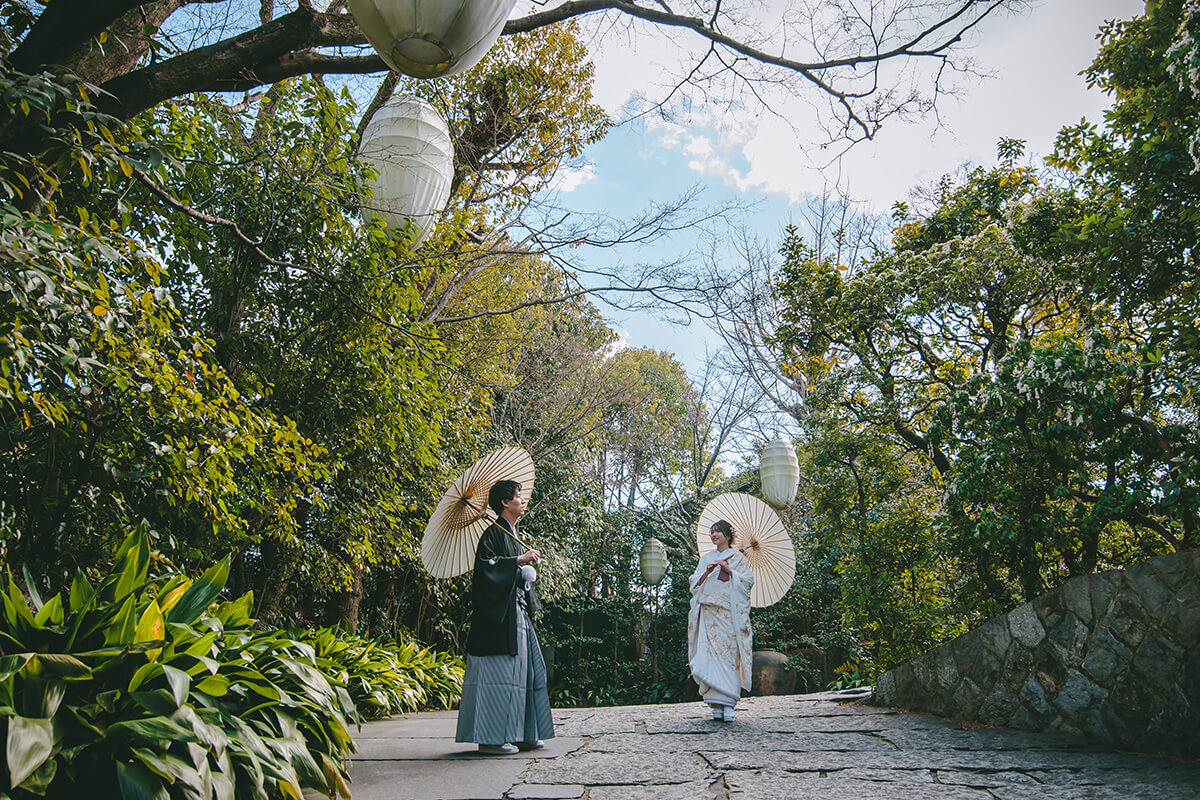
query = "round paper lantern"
x=780 y=472
x=431 y=38
x=408 y=144
x=653 y=561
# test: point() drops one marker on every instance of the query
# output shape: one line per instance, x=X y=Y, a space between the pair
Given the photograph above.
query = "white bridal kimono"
x=719 y=639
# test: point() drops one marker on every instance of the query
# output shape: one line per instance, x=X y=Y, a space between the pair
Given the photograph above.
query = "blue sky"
x=1034 y=89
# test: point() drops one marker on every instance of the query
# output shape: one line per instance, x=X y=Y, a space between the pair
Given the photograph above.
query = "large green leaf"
x=139 y=783
x=64 y=666
x=200 y=595
x=156 y=701
x=132 y=564
x=51 y=612
x=41 y=777
x=10 y=665
x=30 y=743
x=153 y=729
x=31 y=585
x=123 y=625
x=206 y=722
x=180 y=683
x=143 y=674
x=42 y=696
x=222 y=787
x=214 y=686
x=184 y=777
x=81 y=592
x=151 y=627
x=16 y=608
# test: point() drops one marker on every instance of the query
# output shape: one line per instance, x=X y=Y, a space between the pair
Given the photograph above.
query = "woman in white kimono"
x=719 y=624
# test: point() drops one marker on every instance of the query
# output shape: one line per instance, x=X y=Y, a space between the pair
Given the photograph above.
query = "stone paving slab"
x=724 y=737
x=798 y=747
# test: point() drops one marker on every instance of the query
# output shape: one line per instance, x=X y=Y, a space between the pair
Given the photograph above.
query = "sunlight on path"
x=801 y=746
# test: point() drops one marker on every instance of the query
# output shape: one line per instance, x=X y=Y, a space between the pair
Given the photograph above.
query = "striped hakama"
x=504 y=698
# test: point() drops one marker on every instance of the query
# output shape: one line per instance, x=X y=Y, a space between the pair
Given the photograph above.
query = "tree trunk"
x=345 y=605
x=278 y=568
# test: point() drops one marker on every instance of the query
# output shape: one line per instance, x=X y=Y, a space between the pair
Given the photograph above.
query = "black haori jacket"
x=494 y=587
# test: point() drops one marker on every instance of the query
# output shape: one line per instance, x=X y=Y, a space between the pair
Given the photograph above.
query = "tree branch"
x=63 y=28
x=200 y=216
x=271 y=52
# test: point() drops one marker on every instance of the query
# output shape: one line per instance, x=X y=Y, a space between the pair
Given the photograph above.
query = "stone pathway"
x=796 y=747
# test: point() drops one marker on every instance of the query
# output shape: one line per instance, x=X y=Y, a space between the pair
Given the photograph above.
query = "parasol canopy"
x=759 y=533
x=462 y=515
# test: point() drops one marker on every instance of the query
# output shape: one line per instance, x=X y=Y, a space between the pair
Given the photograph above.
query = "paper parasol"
x=462 y=515
x=759 y=533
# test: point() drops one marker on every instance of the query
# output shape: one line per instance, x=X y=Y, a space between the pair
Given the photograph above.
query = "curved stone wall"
x=1113 y=656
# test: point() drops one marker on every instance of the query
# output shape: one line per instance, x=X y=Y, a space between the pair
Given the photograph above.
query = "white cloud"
x=569 y=179
x=1036 y=89
x=624 y=341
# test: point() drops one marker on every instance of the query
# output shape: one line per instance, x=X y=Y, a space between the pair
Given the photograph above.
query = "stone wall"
x=1113 y=656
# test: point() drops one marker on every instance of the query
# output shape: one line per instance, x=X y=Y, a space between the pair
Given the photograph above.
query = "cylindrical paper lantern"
x=780 y=472
x=431 y=38
x=408 y=144
x=653 y=561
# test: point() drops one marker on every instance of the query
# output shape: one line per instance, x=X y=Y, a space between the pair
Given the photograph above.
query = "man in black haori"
x=505 y=706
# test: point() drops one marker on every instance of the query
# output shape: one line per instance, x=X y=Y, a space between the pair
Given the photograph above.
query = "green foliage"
x=980 y=424
x=1073 y=455
x=140 y=686
x=1137 y=172
x=851 y=675
x=112 y=410
x=1137 y=238
x=518 y=116
x=385 y=678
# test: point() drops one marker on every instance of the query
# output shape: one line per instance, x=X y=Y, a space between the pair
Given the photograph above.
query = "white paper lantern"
x=780 y=472
x=653 y=561
x=408 y=144
x=431 y=38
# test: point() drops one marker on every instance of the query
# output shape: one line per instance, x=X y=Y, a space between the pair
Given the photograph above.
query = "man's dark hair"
x=501 y=491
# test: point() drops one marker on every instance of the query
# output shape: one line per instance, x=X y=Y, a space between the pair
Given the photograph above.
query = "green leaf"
x=30 y=743
x=184 y=777
x=31 y=585
x=169 y=595
x=156 y=701
x=200 y=595
x=132 y=564
x=108 y=700
x=64 y=666
x=42 y=696
x=151 y=627
x=139 y=783
x=145 y=672
x=203 y=645
x=51 y=612
x=159 y=728
x=214 y=685
x=222 y=787
x=11 y=665
x=38 y=782
x=180 y=683
x=121 y=630
x=16 y=608
x=81 y=592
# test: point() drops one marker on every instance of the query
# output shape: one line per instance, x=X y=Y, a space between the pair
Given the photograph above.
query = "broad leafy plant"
x=148 y=687
x=385 y=678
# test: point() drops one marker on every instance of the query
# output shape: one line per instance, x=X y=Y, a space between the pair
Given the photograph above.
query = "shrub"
x=140 y=687
x=385 y=678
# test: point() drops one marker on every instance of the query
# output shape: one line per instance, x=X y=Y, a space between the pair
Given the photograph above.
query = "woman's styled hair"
x=501 y=491
x=725 y=528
